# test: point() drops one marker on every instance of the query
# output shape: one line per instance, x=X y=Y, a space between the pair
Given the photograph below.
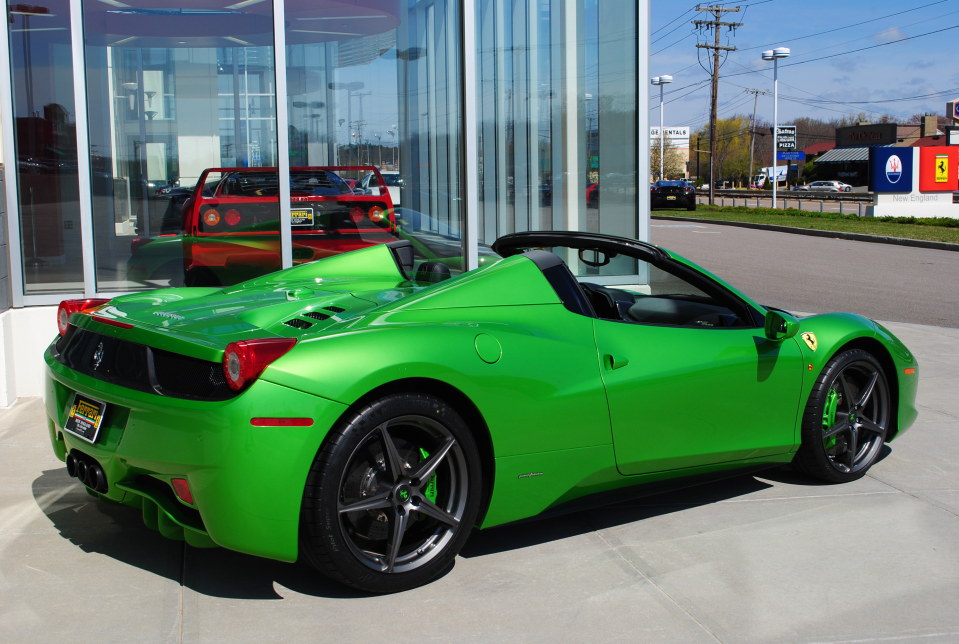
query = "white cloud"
x=890 y=34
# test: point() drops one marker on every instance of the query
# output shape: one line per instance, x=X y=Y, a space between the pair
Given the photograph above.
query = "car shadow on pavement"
x=790 y=476
x=117 y=531
x=644 y=505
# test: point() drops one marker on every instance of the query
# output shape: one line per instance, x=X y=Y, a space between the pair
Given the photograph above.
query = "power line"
x=849 y=26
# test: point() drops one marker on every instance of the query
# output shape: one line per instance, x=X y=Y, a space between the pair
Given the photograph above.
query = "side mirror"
x=780 y=325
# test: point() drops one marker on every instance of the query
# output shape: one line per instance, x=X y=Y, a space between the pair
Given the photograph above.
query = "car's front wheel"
x=392 y=494
x=846 y=420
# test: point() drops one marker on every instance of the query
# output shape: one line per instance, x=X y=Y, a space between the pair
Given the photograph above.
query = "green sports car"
x=366 y=411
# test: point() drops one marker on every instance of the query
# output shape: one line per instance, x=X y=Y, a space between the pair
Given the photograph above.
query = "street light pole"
x=661 y=80
x=774 y=55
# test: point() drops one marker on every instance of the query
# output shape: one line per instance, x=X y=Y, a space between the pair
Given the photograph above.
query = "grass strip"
x=940 y=229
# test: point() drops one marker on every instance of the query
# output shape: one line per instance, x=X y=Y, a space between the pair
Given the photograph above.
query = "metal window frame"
x=14 y=243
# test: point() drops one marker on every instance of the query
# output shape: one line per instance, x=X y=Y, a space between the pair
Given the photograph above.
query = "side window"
x=666 y=298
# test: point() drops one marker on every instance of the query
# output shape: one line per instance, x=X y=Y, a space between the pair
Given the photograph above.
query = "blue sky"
x=884 y=77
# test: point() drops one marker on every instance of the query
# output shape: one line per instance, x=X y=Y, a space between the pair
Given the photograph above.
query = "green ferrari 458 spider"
x=366 y=411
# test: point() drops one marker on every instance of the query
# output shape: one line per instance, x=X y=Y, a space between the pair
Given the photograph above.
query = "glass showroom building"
x=488 y=116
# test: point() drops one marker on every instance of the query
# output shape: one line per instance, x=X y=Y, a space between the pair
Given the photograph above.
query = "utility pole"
x=714 y=24
x=752 y=129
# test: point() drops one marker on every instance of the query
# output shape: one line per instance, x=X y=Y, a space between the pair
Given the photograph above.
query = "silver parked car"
x=826 y=186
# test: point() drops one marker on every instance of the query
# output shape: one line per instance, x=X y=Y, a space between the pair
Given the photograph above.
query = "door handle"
x=613 y=362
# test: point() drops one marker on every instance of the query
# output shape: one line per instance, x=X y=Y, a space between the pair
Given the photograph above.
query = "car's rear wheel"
x=846 y=418
x=392 y=494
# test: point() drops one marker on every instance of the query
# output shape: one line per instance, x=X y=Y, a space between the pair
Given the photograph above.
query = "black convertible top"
x=517 y=243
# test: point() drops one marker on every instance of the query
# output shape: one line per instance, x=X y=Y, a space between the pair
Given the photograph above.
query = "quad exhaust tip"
x=88 y=471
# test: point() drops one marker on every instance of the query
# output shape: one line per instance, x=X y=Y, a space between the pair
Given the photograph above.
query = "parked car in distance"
x=672 y=194
x=394 y=184
x=825 y=186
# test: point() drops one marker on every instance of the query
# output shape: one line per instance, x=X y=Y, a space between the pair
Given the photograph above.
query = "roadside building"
x=848 y=161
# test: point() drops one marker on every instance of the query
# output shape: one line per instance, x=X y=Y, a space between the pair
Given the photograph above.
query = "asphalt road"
x=817 y=274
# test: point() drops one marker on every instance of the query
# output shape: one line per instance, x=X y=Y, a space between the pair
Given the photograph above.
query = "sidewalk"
x=754 y=559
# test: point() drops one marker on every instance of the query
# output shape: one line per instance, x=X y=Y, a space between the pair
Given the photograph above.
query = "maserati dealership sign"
x=913 y=182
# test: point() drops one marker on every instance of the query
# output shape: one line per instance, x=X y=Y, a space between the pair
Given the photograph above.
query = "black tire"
x=405 y=465
x=846 y=420
x=691 y=206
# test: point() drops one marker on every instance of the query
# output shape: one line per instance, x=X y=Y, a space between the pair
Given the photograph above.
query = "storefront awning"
x=846 y=155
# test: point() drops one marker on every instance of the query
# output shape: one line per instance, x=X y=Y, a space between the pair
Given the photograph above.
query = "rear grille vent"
x=335 y=309
x=316 y=315
x=140 y=367
x=298 y=323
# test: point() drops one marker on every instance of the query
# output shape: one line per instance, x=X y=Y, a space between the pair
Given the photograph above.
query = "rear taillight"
x=245 y=360
x=377 y=214
x=211 y=217
x=232 y=217
x=69 y=307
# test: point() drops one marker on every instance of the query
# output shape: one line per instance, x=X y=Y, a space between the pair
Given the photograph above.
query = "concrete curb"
x=876 y=239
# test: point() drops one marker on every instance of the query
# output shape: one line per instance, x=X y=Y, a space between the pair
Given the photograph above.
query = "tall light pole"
x=774 y=55
x=661 y=80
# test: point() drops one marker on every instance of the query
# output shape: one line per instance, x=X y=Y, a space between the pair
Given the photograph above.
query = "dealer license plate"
x=671 y=198
x=301 y=217
x=86 y=417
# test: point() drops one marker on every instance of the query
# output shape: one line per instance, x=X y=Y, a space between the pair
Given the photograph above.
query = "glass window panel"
x=173 y=92
x=542 y=63
x=375 y=98
x=45 y=131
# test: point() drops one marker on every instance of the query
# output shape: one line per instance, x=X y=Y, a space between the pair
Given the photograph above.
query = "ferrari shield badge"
x=810 y=339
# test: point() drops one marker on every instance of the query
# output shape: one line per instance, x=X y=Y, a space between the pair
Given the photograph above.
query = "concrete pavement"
x=754 y=559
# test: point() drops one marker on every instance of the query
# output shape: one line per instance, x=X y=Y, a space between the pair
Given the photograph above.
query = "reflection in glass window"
x=182 y=98
x=172 y=92
x=45 y=131
x=542 y=66
x=378 y=84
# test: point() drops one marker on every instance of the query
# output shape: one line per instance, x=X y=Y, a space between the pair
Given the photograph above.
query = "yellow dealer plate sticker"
x=86 y=417
x=301 y=217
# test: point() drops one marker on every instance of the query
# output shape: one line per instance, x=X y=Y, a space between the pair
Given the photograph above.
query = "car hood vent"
x=298 y=323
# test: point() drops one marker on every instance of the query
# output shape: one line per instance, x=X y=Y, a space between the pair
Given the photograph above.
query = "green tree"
x=674 y=166
x=732 y=147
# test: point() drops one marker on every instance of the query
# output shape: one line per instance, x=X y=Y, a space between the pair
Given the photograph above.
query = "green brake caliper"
x=430 y=491
x=829 y=416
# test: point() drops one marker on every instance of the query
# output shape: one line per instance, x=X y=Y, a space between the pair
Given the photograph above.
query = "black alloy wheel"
x=846 y=420
x=392 y=495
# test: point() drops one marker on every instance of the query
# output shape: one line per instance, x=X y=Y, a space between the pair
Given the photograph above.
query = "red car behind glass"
x=230 y=225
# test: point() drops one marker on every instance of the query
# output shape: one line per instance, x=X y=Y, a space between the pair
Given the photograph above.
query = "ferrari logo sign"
x=810 y=339
x=942 y=168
